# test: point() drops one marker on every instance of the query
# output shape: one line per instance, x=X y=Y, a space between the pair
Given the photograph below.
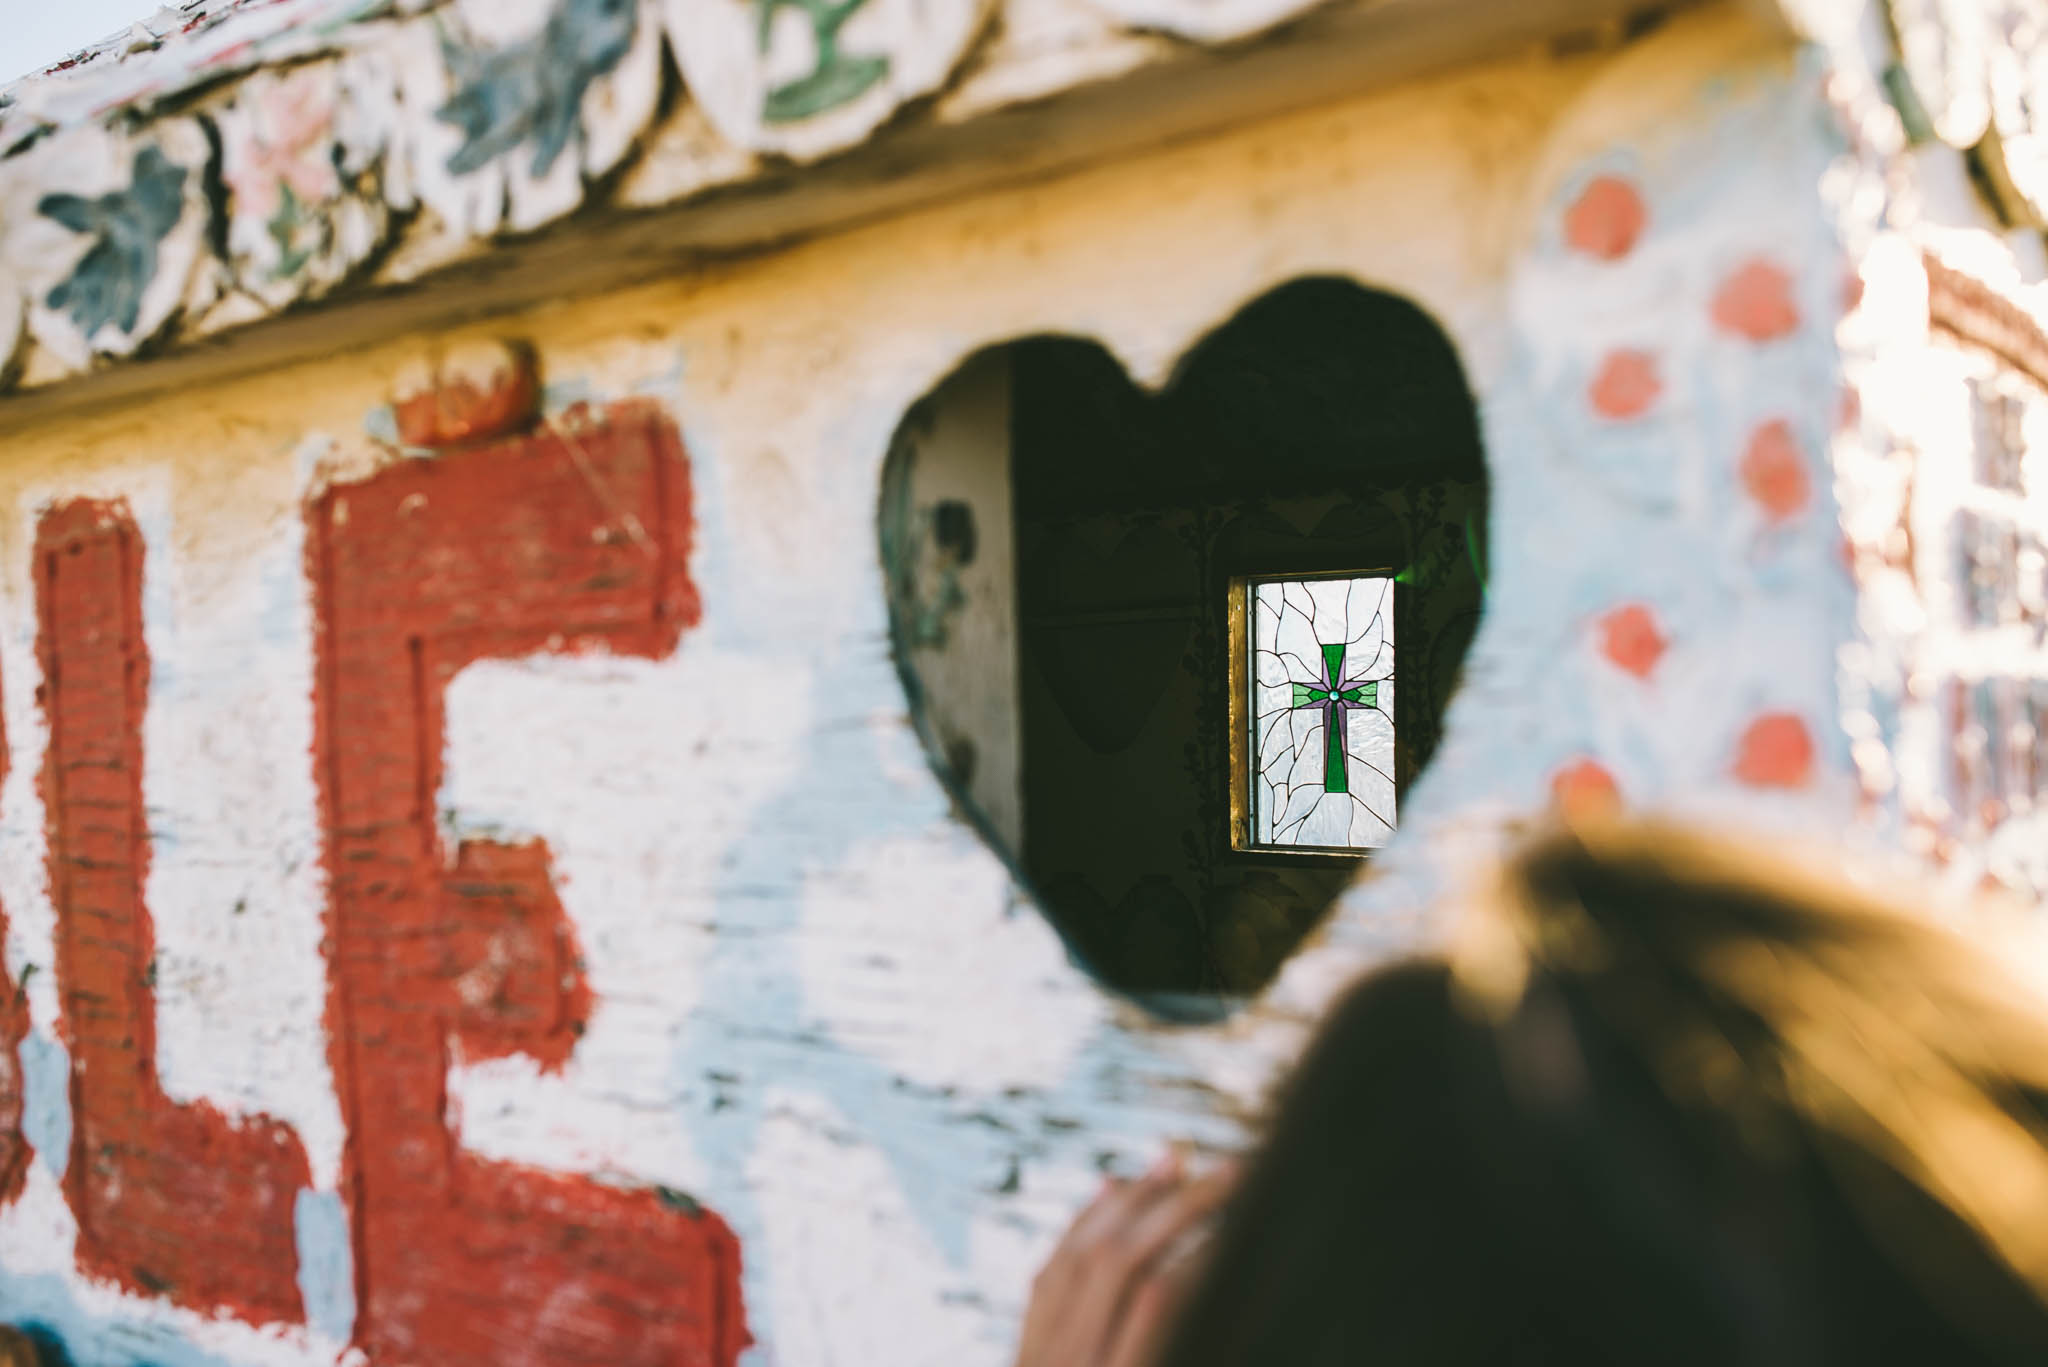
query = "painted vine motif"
x=533 y=90
x=835 y=77
x=315 y=142
x=127 y=227
x=281 y=168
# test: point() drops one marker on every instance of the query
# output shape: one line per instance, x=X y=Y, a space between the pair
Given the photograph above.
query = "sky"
x=35 y=33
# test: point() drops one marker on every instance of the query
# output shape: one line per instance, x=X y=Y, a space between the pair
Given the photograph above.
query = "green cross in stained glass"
x=1337 y=697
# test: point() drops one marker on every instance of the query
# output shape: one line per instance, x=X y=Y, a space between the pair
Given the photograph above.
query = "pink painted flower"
x=285 y=143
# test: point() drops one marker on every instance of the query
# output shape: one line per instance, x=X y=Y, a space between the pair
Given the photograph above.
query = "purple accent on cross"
x=1337 y=698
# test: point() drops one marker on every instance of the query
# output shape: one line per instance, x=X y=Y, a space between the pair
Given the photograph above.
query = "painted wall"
x=1945 y=688
x=633 y=868
x=949 y=545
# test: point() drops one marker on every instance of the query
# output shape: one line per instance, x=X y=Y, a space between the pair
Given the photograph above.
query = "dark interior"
x=1326 y=426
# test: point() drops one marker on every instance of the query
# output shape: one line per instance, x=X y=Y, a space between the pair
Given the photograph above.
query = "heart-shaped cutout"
x=1066 y=558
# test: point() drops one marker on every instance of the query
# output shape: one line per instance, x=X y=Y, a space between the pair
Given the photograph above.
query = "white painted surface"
x=970 y=663
x=821 y=1009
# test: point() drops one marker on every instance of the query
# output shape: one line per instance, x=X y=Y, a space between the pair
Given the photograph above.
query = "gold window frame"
x=1238 y=617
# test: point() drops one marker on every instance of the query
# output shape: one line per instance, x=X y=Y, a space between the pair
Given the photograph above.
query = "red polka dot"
x=1584 y=789
x=1776 y=752
x=1627 y=385
x=1774 y=472
x=1852 y=290
x=1756 y=302
x=1606 y=219
x=1630 y=639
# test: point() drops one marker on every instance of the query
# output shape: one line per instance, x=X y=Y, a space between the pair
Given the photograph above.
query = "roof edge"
x=420 y=136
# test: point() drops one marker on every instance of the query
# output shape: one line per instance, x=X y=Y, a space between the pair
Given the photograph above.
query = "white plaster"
x=235 y=884
x=638 y=862
x=818 y=1009
x=913 y=954
x=830 y=1203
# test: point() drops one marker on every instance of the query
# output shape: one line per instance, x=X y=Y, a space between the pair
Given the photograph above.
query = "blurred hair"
x=1673 y=1101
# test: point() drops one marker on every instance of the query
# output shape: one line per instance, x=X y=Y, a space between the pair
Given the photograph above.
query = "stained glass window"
x=1321 y=679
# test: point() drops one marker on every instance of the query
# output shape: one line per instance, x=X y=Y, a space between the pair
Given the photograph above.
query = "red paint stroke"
x=1606 y=219
x=1774 y=472
x=1775 y=752
x=1627 y=385
x=455 y=410
x=172 y=1200
x=1630 y=640
x=1756 y=303
x=1584 y=790
x=14 y=1149
x=565 y=541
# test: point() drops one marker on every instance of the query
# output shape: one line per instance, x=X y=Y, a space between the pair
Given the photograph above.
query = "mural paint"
x=1669 y=348
x=573 y=540
x=301 y=159
x=328 y=130
x=171 y=1200
x=825 y=972
x=835 y=78
x=126 y=227
x=532 y=91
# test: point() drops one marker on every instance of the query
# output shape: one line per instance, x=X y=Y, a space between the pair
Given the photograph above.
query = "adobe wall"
x=637 y=858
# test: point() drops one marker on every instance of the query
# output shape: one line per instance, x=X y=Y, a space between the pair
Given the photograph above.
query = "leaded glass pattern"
x=1322 y=683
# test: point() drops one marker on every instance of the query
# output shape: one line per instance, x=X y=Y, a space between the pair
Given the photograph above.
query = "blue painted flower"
x=107 y=284
x=534 y=89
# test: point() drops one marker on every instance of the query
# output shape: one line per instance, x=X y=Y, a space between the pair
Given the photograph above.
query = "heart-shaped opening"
x=1178 y=655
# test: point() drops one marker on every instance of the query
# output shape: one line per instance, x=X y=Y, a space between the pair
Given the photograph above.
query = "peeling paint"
x=814 y=1008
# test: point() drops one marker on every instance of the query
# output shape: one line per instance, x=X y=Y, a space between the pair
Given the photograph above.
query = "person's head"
x=1675 y=1102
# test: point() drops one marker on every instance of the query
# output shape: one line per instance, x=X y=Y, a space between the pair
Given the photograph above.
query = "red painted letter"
x=171 y=1200
x=558 y=542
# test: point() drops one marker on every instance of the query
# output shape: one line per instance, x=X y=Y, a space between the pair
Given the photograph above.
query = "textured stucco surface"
x=821 y=1009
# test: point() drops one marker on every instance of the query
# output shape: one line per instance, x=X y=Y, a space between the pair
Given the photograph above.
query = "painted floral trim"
x=835 y=77
x=321 y=135
x=127 y=227
x=533 y=90
x=280 y=168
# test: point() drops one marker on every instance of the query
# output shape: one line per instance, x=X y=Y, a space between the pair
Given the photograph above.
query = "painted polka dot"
x=1584 y=789
x=1630 y=640
x=1756 y=302
x=1774 y=472
x=1606 y=219
x=1628 y=383
x=1776 y=752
